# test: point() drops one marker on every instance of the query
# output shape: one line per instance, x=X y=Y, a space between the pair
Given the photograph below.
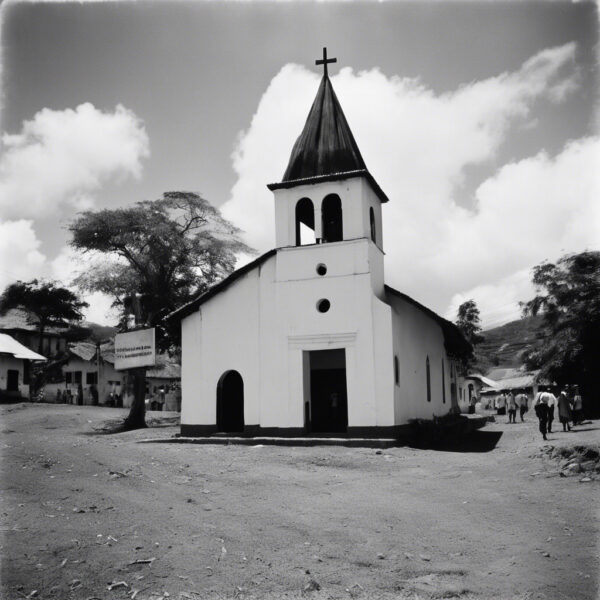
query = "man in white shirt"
x=522 y=402
x=551 y=402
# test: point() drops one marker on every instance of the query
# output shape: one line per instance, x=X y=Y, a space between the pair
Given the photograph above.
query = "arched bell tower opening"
x=305 y=222
x=331 y=215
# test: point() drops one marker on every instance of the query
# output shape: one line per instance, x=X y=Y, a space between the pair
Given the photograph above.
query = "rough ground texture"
x=489 y=519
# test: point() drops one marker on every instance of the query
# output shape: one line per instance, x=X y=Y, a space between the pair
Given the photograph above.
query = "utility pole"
x=136 y=419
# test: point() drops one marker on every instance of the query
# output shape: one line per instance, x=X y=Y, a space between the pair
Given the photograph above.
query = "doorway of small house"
x=12 y=380
x=230 y=403
x=328 y=411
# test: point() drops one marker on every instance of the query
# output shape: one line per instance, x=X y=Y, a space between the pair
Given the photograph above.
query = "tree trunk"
x=136 y=417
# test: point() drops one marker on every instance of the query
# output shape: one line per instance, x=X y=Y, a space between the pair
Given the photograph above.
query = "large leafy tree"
x=45 y=303
x=568 y=299
x=469 y=323
x=165 y=252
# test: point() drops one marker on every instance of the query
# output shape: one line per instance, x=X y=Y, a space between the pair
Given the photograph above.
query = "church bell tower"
x=327 y=195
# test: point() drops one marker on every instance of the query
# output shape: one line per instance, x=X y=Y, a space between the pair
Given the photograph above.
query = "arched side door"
x=230 y=403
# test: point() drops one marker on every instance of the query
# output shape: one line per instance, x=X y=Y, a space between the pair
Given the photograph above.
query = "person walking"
x=564 y=410
x=501 y=404
x=577 y=407
x=522 y=402
x=541 y=410
x=511 y=405
x=551 y=402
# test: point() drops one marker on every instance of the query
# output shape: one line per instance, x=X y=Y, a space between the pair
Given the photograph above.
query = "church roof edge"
x=332 y=177
x=191 y=307
x=455 y=342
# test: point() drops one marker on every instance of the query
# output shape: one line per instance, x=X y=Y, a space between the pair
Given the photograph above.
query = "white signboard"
x=135 y=349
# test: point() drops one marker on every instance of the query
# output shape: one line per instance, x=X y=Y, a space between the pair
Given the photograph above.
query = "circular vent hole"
x=323 y=305
x=321 y=269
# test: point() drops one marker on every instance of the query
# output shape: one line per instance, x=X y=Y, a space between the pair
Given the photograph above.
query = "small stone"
x=574 y=468
x=312 y=586
x=380 y=555
x=546 y=554
x=425 y=557
x=378 y=452
x=585 y=479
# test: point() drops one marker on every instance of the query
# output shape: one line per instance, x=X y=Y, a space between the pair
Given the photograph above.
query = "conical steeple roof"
x=326 y=149
x=326 y=144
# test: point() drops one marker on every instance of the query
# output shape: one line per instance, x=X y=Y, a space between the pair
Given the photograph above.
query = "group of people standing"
x=570 y=408
x=508 y=403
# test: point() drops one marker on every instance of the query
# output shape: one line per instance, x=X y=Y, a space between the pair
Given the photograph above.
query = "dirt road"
x=484 y=521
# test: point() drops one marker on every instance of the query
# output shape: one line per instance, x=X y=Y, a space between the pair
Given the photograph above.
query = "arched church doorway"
x=230 y=403
x=331 y=214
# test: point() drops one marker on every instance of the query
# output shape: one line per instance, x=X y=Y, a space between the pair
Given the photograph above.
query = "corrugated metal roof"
x=9 y=345
x=485 y=380
x=523 y=380
x=19 y=319
x=84 y=350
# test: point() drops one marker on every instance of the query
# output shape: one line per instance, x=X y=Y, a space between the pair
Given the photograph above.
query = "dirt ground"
x=492 y=518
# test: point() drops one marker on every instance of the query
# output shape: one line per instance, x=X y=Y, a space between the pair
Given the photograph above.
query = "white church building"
x=307 y=339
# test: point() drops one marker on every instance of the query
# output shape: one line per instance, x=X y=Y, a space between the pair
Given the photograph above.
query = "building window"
x=305 y=222
x=373 y=230
x=428 y=380
x=91 y=378
x=323 y=305
x=77 y=376
x=396 y=371
x=68 y=377
x=321 y=269
x=331 y=215
x=26 y=372
x=443 y=383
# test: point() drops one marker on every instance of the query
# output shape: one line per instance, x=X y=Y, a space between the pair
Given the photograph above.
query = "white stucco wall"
x=262 y=324
x=416 y=337
x=9 y=362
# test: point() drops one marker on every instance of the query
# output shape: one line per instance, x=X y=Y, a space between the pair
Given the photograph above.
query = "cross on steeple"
x=325 y=61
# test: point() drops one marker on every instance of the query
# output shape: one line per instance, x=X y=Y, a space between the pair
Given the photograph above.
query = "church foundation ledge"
x=396 y=432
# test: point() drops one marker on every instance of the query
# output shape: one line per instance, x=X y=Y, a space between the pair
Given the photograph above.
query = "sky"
x=479 y=120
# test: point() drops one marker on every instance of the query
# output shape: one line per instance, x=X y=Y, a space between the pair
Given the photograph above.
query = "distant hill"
x=503 y=346
x=100 y=332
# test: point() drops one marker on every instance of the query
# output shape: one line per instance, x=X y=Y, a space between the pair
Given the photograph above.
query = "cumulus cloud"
x=61 y=157
x=59 y=160
x=418 y=145
x=20 y=257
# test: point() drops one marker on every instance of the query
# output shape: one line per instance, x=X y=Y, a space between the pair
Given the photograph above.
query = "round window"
x=323 y=305
x=321 y=269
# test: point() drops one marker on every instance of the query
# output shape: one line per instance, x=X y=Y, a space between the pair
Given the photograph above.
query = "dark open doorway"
x=230 y=403
x=328 y=412
x=12 y=380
